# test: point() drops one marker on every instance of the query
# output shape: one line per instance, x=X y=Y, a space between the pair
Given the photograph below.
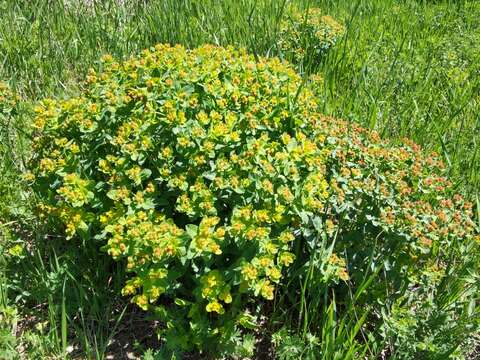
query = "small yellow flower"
x=267 y=186
x=271 y=248
x=215 y=306
x=286 y=258
x=262 y=215
x=225 y=295
x=267 y=290
x=29 y=177
x=286 y=237
x=265 y=261
x=150 y=188
x=16 y=250
x=330 y=227
x=249 y=272
x=343 y=274
x=215 y=248
x=251 y=234
x=274 y=274
x=141 y=301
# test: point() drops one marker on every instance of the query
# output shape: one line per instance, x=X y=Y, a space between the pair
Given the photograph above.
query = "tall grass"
x=406 y=69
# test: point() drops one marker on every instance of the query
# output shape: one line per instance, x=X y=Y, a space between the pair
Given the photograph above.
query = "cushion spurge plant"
x=306 y=35
x=210 y=174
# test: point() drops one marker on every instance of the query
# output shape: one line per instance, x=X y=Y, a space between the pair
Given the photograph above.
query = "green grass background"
x=406 y=68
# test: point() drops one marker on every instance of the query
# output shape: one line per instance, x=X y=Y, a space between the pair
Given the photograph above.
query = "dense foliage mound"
x=306 y=35
x=212 y=176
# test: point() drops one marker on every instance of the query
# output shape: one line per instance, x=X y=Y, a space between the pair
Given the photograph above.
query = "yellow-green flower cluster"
x=215 y=290
x=75 y=190
x=211 y=174
x=307 y=34
x=8 y=99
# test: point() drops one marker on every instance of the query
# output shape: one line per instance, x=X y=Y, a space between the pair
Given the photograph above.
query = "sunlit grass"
x=405 y=68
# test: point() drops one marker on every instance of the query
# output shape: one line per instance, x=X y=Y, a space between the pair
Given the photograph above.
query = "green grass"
x=405 y=68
